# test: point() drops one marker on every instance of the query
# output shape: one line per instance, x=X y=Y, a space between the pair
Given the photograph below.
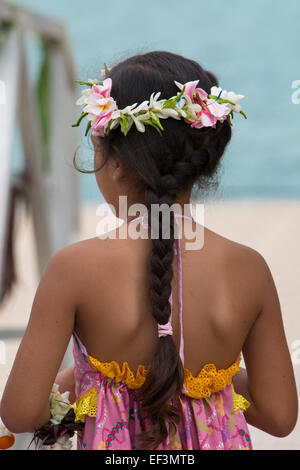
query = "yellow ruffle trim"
x=239 y=402
x=113 y=371
x=86 y=404
x=208 y=381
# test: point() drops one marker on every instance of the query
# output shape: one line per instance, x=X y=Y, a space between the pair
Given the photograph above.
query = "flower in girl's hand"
x=61 y=427
x=59 y=404
x=62 y=443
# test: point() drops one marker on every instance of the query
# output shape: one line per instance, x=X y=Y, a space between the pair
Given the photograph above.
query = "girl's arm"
x=25 y=401
x=268 y=382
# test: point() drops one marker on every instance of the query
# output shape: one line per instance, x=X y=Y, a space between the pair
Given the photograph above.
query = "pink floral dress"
x=212 y=413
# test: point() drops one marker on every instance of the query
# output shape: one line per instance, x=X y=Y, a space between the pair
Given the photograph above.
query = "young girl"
x=148 y=373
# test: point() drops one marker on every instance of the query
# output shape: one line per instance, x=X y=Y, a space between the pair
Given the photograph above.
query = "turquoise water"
x=253 y=47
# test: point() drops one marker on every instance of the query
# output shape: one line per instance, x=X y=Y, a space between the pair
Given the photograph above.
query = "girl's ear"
x=116 y=170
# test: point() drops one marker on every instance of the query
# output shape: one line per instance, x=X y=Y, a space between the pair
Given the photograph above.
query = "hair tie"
x=165 y=330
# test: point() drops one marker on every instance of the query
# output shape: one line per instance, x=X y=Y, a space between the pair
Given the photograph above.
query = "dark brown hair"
x=164 y=166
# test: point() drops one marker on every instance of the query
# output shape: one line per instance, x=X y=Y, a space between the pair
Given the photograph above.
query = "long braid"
x=166 y=375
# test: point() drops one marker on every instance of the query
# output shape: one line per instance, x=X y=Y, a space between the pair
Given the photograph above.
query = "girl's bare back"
x=222 y=297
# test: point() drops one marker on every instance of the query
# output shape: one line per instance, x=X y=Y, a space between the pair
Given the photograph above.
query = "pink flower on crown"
x=100 y=106
x=206 y=111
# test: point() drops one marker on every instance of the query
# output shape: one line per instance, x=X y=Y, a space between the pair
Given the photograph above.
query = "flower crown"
x=194 y=105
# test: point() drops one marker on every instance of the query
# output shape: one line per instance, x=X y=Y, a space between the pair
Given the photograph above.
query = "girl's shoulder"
x=234 y=253
x=239 y=264
x=74 y=260
x=79 y=260
x=78 y=252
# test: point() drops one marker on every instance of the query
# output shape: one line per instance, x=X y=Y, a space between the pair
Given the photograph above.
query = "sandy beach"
x=271 y=227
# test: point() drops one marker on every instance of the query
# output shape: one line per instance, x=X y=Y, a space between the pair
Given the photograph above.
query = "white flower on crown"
x=147 y=106
x=131 y=112
x=84 y=96
x=230 y=96
x=86 y=92
x=163 y=113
